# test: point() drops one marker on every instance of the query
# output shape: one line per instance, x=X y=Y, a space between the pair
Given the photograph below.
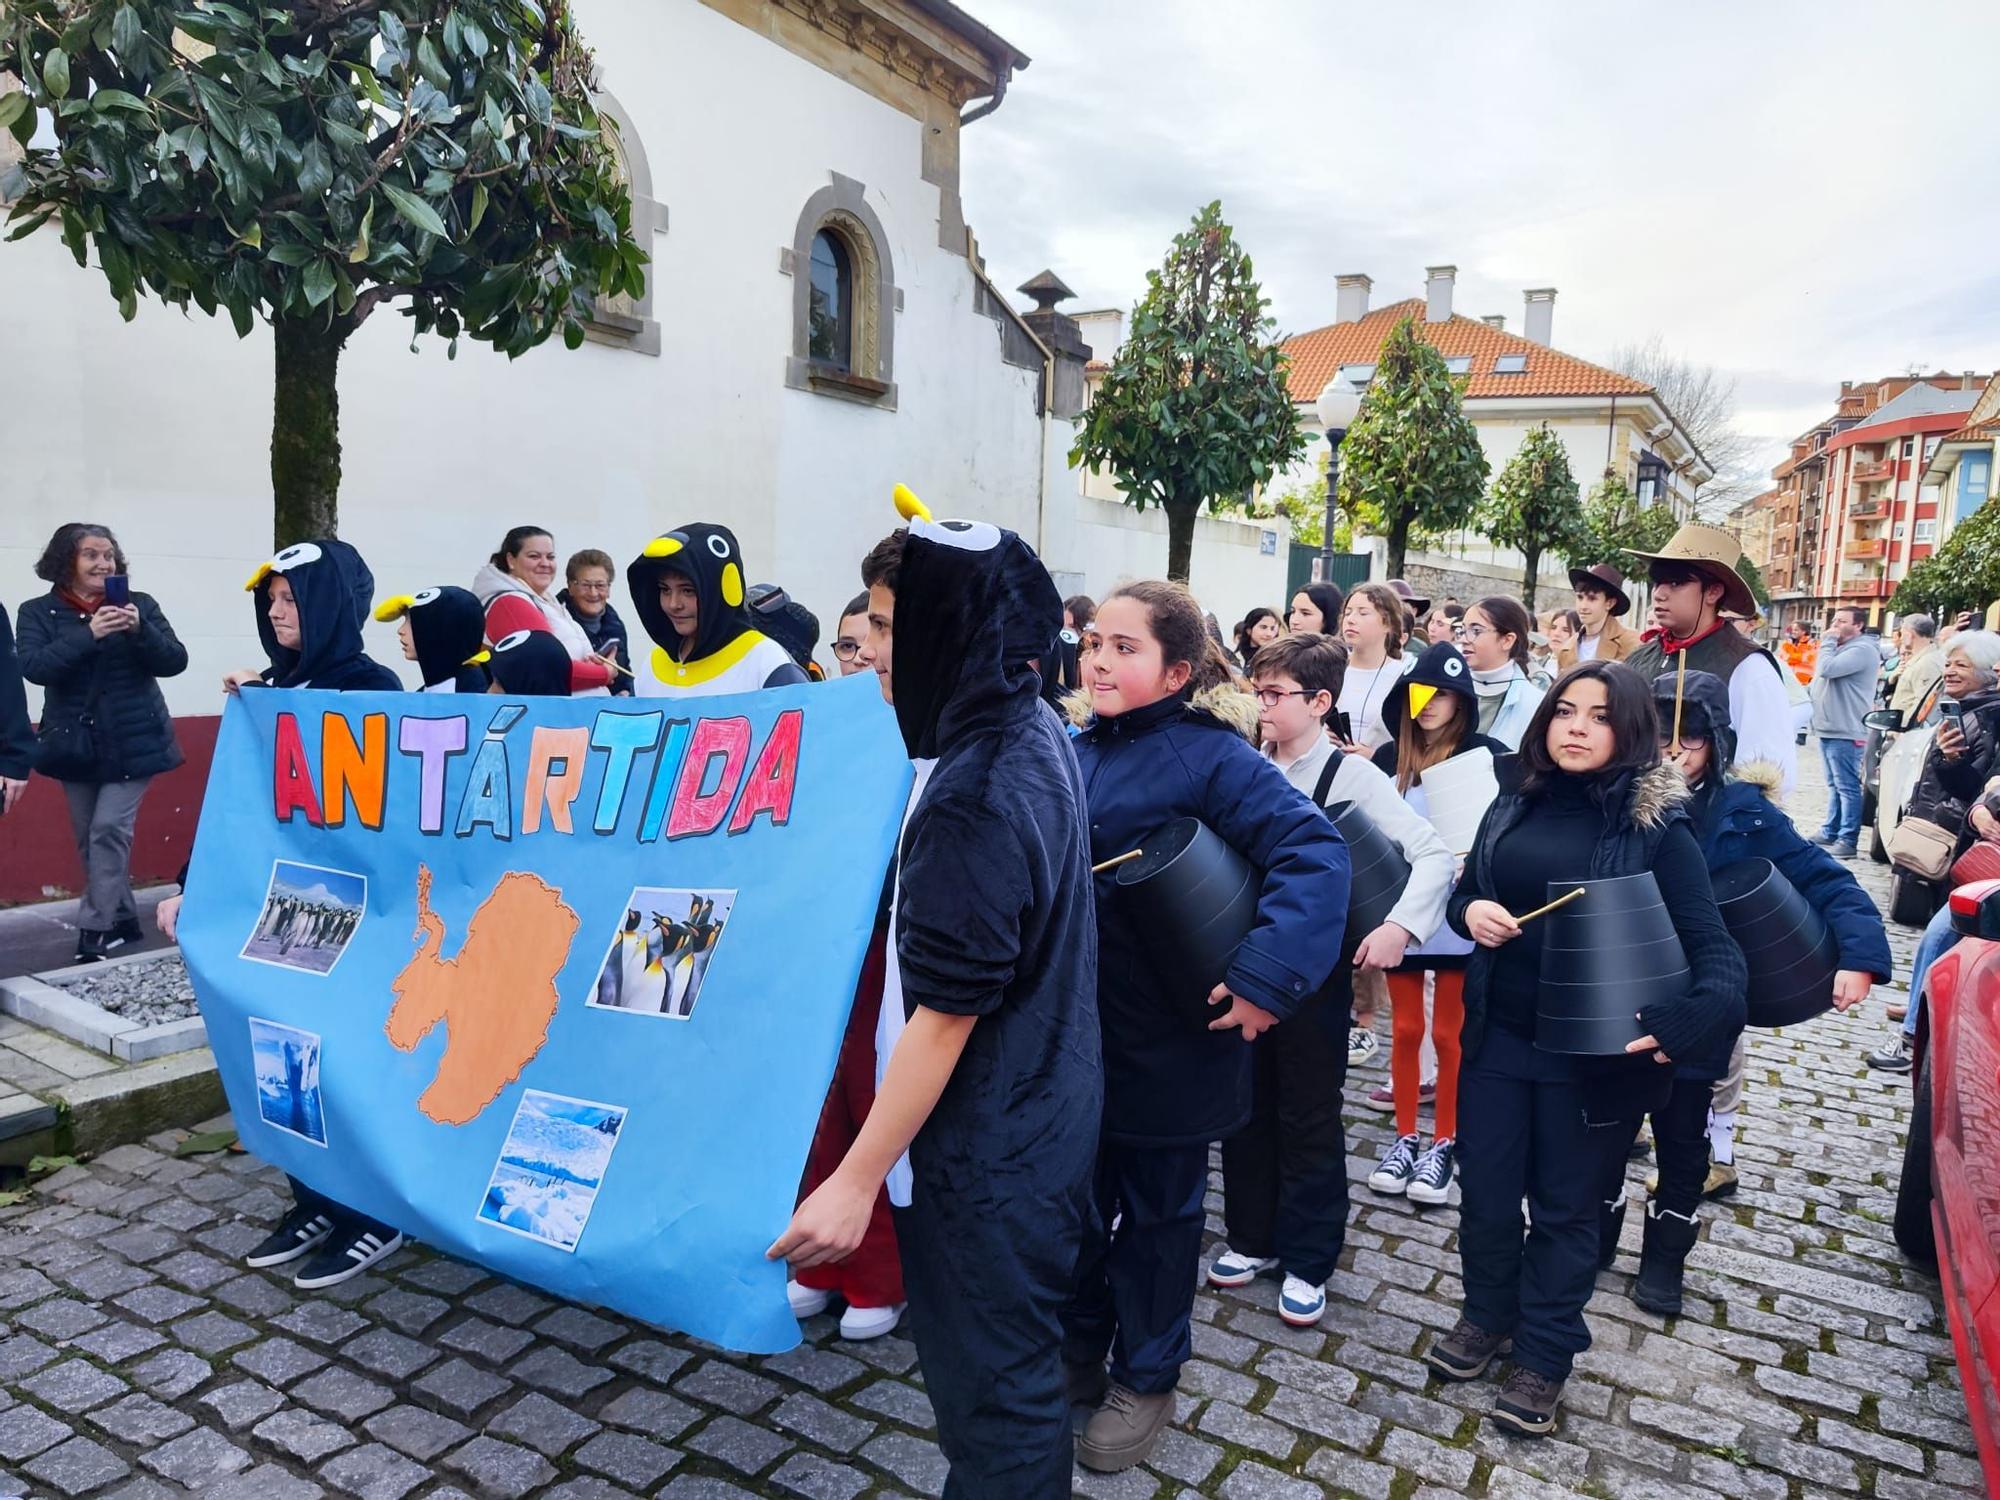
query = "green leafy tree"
x=1753 y=575
x=1412 y=452
x=305 y=161
x=1616 y=525
x=1962 y=574
x=1194 y=408
x=1533 y=506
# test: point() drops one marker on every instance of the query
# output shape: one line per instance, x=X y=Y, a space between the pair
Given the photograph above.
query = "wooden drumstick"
x=1680 y=687
x=1112 y=864
x=1542 y=911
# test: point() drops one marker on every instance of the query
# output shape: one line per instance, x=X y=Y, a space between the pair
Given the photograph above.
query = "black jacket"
x=1644 y=814
x=113 y=683
x=17 y=735
x=1947 y=788
x=607 y=625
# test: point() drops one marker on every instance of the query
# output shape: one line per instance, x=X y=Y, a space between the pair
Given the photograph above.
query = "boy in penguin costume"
x=689 y=589
x=996 y=1084
x=532 y=664
x=443 y=630
x=312 y=600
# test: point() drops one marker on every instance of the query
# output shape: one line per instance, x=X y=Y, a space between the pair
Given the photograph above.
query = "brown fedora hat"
x=1606 y=580
x=1711 y=552
x=1417 y=602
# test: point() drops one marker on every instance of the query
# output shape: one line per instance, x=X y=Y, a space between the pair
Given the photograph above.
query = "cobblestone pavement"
x=140 y=1360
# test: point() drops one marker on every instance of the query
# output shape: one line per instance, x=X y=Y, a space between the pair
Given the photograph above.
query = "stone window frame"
x=841 y=209
x=633 y=326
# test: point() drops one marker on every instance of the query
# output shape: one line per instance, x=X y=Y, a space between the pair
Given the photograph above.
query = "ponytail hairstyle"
x=513 y=542
x=1417 y=750
x=1177 y=624
x=1509 y=617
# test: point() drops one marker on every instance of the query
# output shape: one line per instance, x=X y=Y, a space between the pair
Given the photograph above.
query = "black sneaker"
x=346 y=1255
x=1465 y=1352
x=1892 y=1058
x=301 y=1230
x=123 y=935
x=90 y=946
x=1526 y=1405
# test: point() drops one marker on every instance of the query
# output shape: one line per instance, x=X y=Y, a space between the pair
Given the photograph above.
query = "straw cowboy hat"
x=1712 y=553
x=1606 y=580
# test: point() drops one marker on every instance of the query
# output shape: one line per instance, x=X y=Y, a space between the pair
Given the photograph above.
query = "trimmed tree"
x=305 y=161
x=1616 y=524
x=1412 y=452
x=1533 y=506
x=1194 y=407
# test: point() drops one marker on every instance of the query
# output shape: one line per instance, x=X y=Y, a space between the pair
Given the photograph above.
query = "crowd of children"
x=1013 y=1158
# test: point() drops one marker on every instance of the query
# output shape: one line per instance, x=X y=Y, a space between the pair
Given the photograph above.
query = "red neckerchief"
x=1668 y=645
x=78 y=603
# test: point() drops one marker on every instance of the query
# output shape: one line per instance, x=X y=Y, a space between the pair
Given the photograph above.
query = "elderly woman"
x=1957 y=785
x=98 y=650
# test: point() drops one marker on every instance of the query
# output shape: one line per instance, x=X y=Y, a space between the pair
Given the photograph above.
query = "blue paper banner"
x=556 y=985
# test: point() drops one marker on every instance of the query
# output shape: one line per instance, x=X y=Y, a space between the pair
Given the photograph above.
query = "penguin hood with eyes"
x=729 y=653
x=448 y=628
x=974 y=609
x=333 y=590
x=531 y=663
x=708 y=557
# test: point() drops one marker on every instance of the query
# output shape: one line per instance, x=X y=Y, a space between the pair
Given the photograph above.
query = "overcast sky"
x=1798 y=194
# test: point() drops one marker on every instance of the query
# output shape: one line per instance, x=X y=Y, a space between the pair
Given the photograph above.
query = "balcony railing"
x=1868 y=473
x=1872 y=546
x=1866 y=510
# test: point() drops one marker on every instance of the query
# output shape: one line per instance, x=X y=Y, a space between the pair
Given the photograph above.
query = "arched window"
x=830 y=338
x=627 y=322
x=844 y=299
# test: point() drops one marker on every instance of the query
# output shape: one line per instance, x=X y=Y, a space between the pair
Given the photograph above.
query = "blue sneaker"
x=1302 y=1304
x=1233 y=1269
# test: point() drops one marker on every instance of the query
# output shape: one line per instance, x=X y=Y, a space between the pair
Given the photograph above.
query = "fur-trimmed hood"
x=1762 y=774
x=1655 y=794
x=1225 y=702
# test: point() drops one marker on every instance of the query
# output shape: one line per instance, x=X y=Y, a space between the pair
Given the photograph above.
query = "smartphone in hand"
x=118 y=590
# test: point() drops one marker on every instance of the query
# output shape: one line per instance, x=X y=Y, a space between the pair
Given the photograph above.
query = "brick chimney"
x=1064 y=338
x=1438 y=283
x=1538 y=314
x=1495 y=320
x=1351 y=297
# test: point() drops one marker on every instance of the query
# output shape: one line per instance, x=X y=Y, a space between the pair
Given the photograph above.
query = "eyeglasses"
x=1474 y=632
x=846 y=650
x=1272 y=697
x=1688 y=741
x=580 y=587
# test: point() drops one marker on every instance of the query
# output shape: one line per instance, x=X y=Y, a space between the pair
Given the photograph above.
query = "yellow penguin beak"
x=478 y=658
x=1421 y=694
x=394 y=607
x=263 y=572
x=662 y=546
x=909 y=507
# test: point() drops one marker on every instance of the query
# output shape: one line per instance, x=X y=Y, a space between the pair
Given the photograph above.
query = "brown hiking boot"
x=1526 y=1405
x=1123 y=1431
x=1465 y=1352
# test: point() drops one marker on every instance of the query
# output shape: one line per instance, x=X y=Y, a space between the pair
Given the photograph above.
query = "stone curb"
x=31 y=998
x=132 y=1103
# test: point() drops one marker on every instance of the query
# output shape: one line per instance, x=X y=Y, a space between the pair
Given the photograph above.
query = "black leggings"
x=1680 y=1146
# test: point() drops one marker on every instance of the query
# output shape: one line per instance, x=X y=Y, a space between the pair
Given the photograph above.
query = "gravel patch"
x=152 y=993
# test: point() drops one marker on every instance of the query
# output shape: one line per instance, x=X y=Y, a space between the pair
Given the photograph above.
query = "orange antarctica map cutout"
x=497 y=997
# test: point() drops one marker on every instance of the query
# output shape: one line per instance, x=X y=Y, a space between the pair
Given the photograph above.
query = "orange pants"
x=1406 y=1010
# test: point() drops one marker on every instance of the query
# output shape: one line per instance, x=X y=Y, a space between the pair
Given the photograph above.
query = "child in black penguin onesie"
x=996 y=1084
x=443 y=630
x=530 y=663
x=693 y=598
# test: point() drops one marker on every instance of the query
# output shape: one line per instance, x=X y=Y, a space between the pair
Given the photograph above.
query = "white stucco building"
x=760 y=135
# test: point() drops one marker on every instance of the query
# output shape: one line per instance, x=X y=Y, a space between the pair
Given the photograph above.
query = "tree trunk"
x=305 y=428
x=1399 y=543
x=1531 y=576
x=1180 y=537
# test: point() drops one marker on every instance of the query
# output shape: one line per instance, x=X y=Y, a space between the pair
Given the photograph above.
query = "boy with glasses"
x=850 y=636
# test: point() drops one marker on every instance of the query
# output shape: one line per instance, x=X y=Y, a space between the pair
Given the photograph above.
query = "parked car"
x=1911 y=901
x=1948 y=1201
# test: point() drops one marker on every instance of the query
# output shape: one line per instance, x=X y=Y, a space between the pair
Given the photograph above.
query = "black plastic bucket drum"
x=1605 y=957
x=1377 y=875
x=1196 y=899
x=1791 y=952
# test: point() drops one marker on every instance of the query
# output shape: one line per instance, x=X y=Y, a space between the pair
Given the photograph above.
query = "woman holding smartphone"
x=98 y=650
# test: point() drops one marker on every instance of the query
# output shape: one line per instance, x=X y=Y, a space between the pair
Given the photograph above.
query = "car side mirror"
x=1975 y=909
x=1887 y=719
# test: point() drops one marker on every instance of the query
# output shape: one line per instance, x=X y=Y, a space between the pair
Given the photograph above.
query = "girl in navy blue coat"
x=1734 y=819
x=1151 y=755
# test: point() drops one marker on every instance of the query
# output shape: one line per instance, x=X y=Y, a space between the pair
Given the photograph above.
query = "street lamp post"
x=1337 y=406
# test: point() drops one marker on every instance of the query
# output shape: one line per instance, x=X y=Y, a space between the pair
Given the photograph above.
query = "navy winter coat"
x=113 y=682
x=1168 y=1081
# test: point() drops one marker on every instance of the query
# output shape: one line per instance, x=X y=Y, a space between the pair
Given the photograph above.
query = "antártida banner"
x=556 y=985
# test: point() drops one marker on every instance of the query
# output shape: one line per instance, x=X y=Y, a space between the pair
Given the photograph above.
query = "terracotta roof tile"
x=1317 y=355
x=1976 y=433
